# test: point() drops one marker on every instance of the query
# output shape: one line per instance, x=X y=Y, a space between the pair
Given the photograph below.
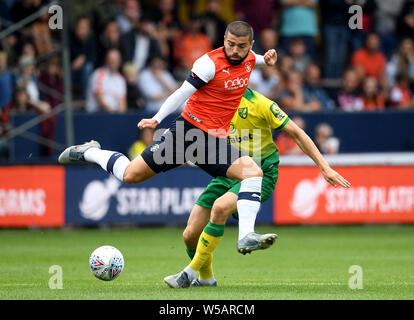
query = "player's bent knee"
x=189 y=236
x=219 y=213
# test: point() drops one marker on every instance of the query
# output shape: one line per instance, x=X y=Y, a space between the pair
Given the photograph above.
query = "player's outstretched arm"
x=308 y=147
x=169 y=106
x=268 y=59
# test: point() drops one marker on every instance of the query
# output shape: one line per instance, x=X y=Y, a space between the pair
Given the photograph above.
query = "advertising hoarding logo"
x=31 y=196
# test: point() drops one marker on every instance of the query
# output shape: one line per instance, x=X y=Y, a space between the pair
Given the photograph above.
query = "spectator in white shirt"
x=266 y=80
x=156 y=83
x=107 y=87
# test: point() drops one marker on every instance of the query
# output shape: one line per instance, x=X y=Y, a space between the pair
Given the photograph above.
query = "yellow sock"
x=208 y=241
x=206 y=271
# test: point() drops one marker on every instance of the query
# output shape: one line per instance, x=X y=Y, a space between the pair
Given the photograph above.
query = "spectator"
x=8 y=45
x=168 y=27
x=83 y=54
x=6 y=82
x=96 y=11
x=260 y=14
x=29 y=50
x=108 y=39
x=405 y=24
x=324 y=139
x=400 y=96
x=348 y=97
x=357 y=36
x=371 y=97
x=127 y=19
x=51 y=78
x=24 y=8
x=107 y=87
x=146 y=138
x=297 y=50
x=135 y=98
x=139 y=44
x=292 y=98
x=313 y=91
x=190 y=46
x=369 y=61
x=285 y=144
x=41 y=35
x=27 y=79
x=386 y=24
x=20 y=102
x=402 y=62
x=267 y=81
x=285 y=67
x=335 y=34
x=268 y=40
x=299 y=20
x=156 y=83
x=214 y=25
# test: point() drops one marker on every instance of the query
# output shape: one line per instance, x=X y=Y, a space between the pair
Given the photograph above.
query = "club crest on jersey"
x=248 y=67
x=243 y=112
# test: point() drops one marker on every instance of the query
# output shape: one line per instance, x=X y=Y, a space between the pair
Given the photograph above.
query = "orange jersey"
x=211 y=108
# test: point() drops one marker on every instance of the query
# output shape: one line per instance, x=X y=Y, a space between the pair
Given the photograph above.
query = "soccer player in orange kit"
x=214 y=89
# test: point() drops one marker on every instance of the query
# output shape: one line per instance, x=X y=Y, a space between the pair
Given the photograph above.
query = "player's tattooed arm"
x=309 y=148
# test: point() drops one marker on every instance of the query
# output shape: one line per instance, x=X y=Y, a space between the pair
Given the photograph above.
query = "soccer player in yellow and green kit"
x=205 y=226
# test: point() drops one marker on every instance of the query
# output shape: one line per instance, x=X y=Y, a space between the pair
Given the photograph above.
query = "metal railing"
x=66 y=105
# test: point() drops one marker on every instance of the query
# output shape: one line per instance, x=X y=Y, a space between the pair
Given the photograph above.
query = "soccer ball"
x=106 y=263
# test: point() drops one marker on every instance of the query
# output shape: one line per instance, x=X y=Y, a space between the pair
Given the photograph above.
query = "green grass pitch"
x=305 y=263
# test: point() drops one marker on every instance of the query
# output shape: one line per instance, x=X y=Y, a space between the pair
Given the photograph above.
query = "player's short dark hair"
x=240 y=29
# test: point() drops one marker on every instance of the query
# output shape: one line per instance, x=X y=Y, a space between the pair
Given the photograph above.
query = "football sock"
x=208 y=241
x=248 y=204
x=113 y=162
x=190 y=253
x=206 y=271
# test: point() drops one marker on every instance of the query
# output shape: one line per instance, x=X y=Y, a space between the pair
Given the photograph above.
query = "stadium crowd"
x=132 y=54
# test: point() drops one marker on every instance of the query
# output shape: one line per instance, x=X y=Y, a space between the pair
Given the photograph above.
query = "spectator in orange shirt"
x=190 y=45
x=369 y=61
x=371 y=97
x=286 y=144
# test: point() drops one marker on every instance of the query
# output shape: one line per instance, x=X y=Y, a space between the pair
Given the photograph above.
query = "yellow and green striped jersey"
x=250 y=127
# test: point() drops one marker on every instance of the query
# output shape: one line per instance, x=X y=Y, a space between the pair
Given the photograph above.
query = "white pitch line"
x=19 y=284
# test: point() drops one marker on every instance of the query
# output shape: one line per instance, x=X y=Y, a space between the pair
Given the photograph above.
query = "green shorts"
x=220 y=185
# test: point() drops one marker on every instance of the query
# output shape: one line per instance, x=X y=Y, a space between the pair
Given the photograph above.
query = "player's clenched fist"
x=147 y=123
x=270 y=57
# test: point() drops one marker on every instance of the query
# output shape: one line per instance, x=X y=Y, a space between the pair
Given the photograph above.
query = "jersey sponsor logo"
x=248 y=67
x=238 y=139
x=155 y=147
x=243 y=112
x=194 y=117
x=277 y=112
x=236 y=83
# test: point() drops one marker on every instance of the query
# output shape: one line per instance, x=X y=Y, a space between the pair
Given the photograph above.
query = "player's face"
x=236 y=48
